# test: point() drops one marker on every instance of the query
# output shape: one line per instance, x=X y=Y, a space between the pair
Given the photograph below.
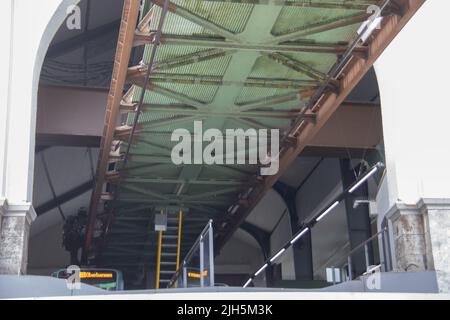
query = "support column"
x=14 y=233
x=302 y=249
x=421 y=238
x=358 y=220
x=409 y=240
x=437 y=231
x=263 y=239
x=415 y=128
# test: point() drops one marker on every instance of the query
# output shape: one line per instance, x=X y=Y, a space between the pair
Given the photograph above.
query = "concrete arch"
x=268 y=211
x=241 y=253
x=58 y=16
x=29 y=27
x=57 y=19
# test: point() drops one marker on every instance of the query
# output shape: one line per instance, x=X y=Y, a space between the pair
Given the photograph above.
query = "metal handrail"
x=364 y=245
x=182 y=266
x=197 y=241
x=366 y=242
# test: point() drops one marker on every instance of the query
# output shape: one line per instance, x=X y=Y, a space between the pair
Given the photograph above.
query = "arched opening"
x=73 y=89
x=29 y=28
x=73 y=72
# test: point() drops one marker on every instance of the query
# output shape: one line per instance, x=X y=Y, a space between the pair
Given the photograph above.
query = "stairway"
x=169 y=241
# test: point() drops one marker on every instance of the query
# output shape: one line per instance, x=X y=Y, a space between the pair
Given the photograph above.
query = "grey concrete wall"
x=330 y=236
x=71 y=111
x=266 y=215
x=46 y=253
x=279 y=237
x=240 y=255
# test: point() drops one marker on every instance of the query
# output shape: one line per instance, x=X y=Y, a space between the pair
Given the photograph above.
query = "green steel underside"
x=231 y=64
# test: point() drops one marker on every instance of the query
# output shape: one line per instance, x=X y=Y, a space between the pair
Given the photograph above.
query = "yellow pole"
x=180 y=219
x=158 y=262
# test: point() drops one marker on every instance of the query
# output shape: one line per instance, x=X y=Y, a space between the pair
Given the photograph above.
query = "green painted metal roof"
x=228 y=63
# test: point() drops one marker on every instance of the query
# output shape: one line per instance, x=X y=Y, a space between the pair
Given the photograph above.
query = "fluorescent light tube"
x=247 y=283
x=299 y=235
x=261 y=270
x=277 y=255
x=360 y=182
x=327 y=211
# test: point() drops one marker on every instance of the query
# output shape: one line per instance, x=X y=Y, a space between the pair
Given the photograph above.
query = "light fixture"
x=261 y=269
x=247 y=283
x=236 y=207
x=299 y=236
x=277 y=255
x=180 y=189
x=327 y=211
x=364 y=179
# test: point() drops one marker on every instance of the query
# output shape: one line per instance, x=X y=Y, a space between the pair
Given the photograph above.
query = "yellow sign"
x=95 y=275
x=197 y=275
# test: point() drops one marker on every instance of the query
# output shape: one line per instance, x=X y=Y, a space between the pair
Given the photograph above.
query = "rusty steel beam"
x=220 y=43
x=296 y=65
x=123 y=52
x=182 y=110
x=324 y=109
x=340 y=5
x=180 y=61
x=322 y=26
x=206 y=80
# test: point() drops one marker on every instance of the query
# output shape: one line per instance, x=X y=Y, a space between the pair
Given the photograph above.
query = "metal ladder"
x=169 y=245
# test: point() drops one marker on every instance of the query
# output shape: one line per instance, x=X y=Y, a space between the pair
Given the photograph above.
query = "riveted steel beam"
x=198 y=79
x=321 y=26
x=330 y=4
x=297 y=65
x=221 y=43
x=123 y=53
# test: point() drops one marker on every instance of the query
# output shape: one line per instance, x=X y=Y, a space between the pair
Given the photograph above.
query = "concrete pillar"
x=14 y=233
x=415 y=193
x=20 y=66
x=409 y=239
x=358 y=220
x=437 y=238
x=302 y=250
x=421 y=238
